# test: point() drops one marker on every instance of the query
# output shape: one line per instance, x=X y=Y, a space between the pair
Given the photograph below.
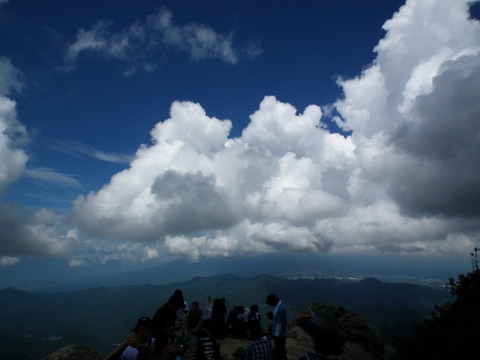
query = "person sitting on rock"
x=259 y=348
x=163 y=349
x=138 y=345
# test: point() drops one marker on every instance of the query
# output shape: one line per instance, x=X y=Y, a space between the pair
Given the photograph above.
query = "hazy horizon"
x=423 y=271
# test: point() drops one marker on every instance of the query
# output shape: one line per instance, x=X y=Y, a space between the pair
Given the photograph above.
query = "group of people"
x=238 y=322
x=154 y=338
x=174 y=323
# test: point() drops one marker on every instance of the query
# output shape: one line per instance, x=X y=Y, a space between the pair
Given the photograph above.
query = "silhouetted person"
x=165 y=317
x=235 y=323
x=194 y=321
x=218 y=320
x=253 y=322
x=207 y=313
x=137 y=345
x=163 y=348
x=279 y=327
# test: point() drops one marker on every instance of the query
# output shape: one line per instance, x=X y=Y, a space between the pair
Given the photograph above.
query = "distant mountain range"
x=33 y=276
x=108 y=313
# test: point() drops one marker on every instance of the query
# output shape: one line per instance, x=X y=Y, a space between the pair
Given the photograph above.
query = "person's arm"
x=117 y=354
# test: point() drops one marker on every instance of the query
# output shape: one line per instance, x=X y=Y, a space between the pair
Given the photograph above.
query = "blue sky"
x=135 y=132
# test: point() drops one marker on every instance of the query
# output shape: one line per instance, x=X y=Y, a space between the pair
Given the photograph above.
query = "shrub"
x=453 y=331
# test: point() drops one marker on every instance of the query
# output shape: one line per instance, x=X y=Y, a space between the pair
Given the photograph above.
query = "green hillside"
x=103 y=316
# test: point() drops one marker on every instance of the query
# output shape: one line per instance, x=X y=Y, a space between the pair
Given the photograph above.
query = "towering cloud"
x=405 y=180
x=12 y=132
x=414 y=113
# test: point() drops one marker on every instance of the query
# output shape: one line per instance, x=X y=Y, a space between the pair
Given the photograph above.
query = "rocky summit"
x=75 y=352
x=361 y=343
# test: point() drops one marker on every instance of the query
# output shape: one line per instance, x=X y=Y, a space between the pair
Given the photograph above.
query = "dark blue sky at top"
x=306 y=46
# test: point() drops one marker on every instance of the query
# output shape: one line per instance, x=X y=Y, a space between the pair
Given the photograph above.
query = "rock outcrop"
x=75 y=352
x=361 y=343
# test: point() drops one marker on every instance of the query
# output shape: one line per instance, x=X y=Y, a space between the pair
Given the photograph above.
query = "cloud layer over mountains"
x=403 y=176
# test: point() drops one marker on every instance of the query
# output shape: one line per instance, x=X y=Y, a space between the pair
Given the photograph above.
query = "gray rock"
x=361 y=343
x=75 y=352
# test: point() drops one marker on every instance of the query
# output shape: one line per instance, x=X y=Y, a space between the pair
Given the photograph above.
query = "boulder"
x=361 y=343
x=75 y=352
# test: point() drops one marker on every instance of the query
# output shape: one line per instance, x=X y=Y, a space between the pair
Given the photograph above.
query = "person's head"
x=254 y=308
x=272 y=299
x=177 y=301
x=143 y=329
x=195 y=305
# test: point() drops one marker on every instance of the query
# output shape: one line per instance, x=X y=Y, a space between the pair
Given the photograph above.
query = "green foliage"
x=453 y=330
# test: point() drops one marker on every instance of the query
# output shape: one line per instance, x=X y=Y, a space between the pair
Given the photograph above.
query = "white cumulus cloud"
x=405 y=180
x=8 y=261
x=23 y=232
x=414 y=113
x=13 y=134
x=31 y=233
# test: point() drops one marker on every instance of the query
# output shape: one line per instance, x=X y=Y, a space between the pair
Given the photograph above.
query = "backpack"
x=207 y=349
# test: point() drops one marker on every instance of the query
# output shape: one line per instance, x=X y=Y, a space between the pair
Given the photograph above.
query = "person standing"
x=164 y=319
x=253 y=322
x=279 y=326
x=207 y=313
x=194 y=321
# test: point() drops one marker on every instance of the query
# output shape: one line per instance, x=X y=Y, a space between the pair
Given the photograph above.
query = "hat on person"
x=143 y=321
x=271 y=299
